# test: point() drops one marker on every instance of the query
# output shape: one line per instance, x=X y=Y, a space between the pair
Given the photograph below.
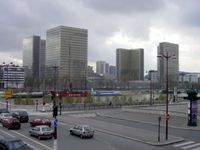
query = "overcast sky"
x=111 y=24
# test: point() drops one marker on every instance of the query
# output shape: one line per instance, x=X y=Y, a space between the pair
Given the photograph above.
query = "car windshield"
x=16 y=144
x=87 y=128
x=46 y=129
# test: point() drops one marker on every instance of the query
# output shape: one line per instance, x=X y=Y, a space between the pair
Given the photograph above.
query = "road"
x=102 y=140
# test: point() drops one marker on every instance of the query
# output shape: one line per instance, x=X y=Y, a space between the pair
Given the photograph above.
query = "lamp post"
x=167 y=57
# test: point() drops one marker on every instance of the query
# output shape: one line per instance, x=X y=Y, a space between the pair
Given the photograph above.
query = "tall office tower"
x=173 y=64
x=66 y=50
x=102 y=67
x=33 y=56
x=112 y=71
x=130 y=64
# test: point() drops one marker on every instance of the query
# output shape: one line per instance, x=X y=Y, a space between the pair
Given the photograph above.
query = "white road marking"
x=190 y=146
x=183 y=144
x=33 y=140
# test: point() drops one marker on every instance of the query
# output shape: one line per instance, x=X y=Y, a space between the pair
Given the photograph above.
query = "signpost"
x=8 y=94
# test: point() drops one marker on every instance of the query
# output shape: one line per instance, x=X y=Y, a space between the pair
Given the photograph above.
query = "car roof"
x=42 y=126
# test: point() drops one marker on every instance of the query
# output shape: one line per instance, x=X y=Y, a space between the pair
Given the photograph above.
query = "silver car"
x=82 y=131
x=41 y=132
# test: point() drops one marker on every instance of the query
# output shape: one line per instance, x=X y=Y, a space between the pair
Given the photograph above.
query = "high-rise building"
x=66 y=48
x=102 y=68
x=171 y=50
x=130 y=64
x=112 y=71
x=34 y=56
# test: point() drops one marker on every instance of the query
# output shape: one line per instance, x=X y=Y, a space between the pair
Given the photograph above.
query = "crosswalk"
x=188 y=145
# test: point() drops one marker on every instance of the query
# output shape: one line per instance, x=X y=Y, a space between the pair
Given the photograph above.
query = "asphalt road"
x=100 y=141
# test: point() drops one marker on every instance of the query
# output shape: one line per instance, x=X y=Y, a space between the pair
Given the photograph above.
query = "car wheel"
x=92 y=136
x=71 y=132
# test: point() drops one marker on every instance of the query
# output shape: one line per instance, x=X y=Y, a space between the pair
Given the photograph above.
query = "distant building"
x=90 y=71
x=67 y=48
x=130 y=64
x=102 y=68
x=153 y=76
x=11 y=76
x=112 y=71
x=173 y=64
x=189 y=77
x=34 y=56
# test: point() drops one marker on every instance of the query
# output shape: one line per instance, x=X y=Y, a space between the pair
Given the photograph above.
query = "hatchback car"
x=41 y=132
x=82 y=131
x=13 y=144
x=21 y=115
x=11 y=123
x=5 y=115
x=40 y=121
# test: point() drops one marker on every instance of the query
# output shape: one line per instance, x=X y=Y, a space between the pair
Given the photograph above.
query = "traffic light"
x=55 y=111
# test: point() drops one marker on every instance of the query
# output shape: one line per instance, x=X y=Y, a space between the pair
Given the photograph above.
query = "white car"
x=82 y=131
x=5 y=115
x=41 y=132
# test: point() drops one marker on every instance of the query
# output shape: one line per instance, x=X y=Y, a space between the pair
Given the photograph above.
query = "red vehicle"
x=11 y=123
x=40 y=121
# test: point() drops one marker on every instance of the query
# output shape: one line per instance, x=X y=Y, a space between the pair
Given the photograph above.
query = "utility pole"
x=167 y=57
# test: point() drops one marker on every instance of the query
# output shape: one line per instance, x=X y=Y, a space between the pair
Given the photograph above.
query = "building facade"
x=172 y=50
x=102 y=68
x=130 y=64
x=67 y=49
x=34 y=56
x=11 y=76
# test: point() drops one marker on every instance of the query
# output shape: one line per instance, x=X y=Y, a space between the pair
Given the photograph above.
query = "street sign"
x=55 y=122
x=168 y=116
x=8 y=93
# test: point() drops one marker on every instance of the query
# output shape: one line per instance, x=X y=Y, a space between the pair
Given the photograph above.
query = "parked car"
x=82 y=131
x=41 y=132
x=11 y=123
x=13 y=144
x=5 y=115
x=40 y=121
x=21 y=115
x=3 y=110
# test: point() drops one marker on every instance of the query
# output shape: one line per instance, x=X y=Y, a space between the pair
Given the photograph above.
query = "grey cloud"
x=124 y=6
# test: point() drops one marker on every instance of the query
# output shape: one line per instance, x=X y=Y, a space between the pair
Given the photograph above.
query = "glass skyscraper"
x=66 y=50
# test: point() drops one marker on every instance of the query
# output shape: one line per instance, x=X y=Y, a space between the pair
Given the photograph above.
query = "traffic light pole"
x=55 y=113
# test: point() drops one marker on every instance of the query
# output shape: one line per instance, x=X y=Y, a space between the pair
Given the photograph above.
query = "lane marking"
x=183 y=144
x=190 y=146
x=33 y=140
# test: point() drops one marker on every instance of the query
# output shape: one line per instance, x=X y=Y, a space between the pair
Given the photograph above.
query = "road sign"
x=8 y=93
x=168 y=116
x=55 y=122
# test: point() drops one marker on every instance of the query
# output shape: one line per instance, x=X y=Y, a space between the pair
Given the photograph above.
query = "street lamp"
x=167 y=57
